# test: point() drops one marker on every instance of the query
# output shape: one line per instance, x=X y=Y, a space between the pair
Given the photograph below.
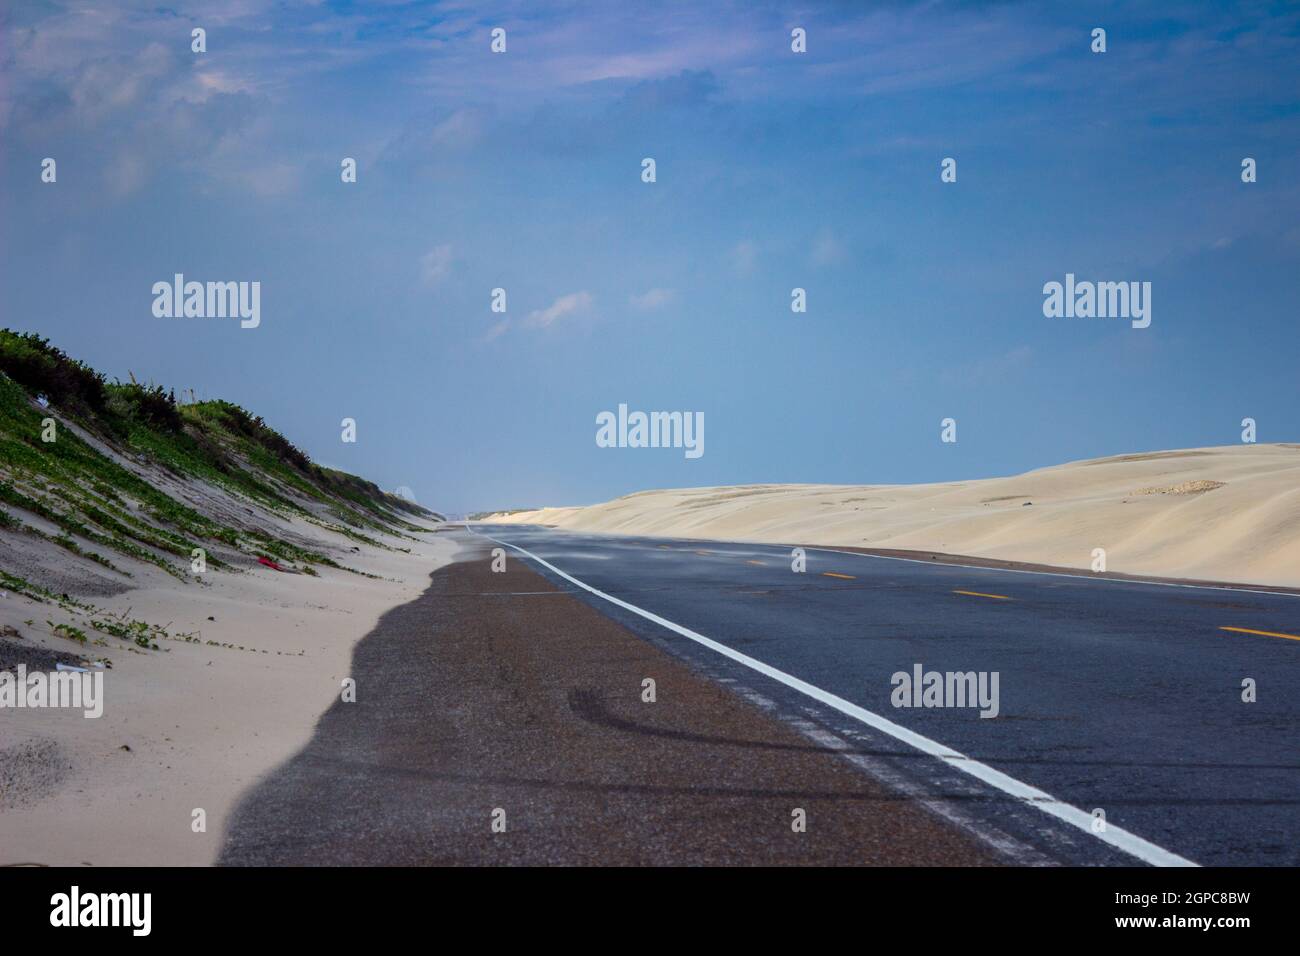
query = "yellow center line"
x=759 y=563
x=832 y=574
x=1247 y=630
x=996 y=597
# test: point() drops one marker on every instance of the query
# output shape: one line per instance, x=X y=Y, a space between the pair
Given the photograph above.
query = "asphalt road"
x=496 y=695
x=1118 y=697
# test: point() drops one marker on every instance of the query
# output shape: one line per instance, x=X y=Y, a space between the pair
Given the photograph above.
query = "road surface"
x=1115 y=696
x=1121 y=734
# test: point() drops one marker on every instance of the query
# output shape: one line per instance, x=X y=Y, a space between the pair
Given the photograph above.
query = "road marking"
x=996 y=597
x=759 y=563
x=703 y=552
x=832 y=574
x=1247 y=630
x=1117 y=837
x=973 y=567
x=1048 y=574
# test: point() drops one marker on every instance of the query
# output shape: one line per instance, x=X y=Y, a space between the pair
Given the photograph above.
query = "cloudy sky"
x=775 y=170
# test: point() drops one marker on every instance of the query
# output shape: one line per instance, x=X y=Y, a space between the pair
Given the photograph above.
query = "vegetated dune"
x=213 y=672
x=1222 y=514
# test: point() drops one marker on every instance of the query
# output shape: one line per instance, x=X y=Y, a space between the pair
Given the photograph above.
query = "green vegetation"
x=81 y=481
x=68 y=631
x=144 y=634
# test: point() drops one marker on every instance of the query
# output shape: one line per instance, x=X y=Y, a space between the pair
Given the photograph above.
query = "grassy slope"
x=89 y=496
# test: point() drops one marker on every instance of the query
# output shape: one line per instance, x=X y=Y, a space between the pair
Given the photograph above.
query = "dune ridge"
x=1229 y=513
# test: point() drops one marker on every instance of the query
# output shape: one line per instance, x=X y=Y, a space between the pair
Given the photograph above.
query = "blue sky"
x=774 y=170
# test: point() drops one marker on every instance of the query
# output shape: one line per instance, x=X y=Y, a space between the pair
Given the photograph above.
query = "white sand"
x=1247 y=530
x=202 y=722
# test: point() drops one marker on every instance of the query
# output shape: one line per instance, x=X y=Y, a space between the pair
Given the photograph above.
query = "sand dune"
x=1224 y=514
x=200 y=565
x=251 y=662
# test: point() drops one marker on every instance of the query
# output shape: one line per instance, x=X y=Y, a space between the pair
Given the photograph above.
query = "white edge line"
x=1121 y=839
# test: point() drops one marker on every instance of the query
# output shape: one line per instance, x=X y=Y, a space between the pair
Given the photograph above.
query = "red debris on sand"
x=269 y=563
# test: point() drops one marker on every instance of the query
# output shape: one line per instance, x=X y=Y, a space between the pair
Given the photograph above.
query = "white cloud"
x=273 y=179
x=652 y=299
x=125 y=173
x=744 y=256
x=574 y=303
x=571 y=304
x=497 y=330
x=435 y=265
x=827 y=250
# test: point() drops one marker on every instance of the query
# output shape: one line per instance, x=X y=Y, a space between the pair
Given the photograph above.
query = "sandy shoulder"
x=192 y=725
